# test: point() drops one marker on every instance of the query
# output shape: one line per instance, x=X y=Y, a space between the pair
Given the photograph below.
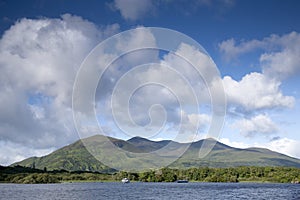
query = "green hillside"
x=75 y=157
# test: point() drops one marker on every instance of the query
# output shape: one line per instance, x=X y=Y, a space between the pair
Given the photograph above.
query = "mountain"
x=147 y=145
x=76 y=157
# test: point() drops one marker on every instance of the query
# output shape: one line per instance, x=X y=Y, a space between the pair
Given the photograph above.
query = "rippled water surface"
x=150 y=191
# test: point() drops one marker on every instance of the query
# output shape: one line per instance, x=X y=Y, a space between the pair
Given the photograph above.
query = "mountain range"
x=76 y=157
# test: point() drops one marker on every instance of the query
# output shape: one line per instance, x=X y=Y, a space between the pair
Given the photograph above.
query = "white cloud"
x=200 y=67
x=172 y=83
x=261 y=91
x=14 y=152
x=230 y=50
x=134 y=9
x=286 y=146
x=280 y=59
x=150 y=96
x=138 y=9
x=38 y=63
x=257 y=92
x=240 y=145
x=284 y=62
x=257 y=125
x=135 y=39
x=254 y=92
x=194 y=121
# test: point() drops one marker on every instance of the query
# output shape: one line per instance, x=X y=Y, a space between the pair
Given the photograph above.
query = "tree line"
x=204 y=174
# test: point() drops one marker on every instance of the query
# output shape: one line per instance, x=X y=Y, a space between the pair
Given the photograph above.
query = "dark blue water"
x=170 y=191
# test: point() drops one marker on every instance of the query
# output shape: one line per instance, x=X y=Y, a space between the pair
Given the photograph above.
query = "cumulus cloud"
x=260 y=124
x=156 y=93
x=38 y=63
x=255 y=91
x=134 y=9
x=280 y=59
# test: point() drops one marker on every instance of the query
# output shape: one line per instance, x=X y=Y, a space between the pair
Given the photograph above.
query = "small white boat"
x=125 y=180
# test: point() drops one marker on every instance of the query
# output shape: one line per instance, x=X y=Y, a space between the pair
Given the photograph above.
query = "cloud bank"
x=38 y=63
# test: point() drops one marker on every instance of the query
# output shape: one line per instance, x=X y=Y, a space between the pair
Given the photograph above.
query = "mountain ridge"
x=76 y=157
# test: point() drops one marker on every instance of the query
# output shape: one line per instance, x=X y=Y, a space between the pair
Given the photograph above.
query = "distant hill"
x=75 y=157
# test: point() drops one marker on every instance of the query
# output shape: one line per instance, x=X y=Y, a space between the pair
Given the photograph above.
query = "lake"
x=136 y=190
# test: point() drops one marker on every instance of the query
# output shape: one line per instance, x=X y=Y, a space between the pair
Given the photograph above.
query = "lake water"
x=170 y=191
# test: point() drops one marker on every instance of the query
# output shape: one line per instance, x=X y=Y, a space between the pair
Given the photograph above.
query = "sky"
x=255 y=45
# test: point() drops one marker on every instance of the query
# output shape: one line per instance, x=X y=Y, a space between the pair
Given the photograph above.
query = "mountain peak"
x=138 y=139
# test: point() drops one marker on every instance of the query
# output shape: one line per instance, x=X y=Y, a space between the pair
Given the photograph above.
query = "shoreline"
x=25 y=175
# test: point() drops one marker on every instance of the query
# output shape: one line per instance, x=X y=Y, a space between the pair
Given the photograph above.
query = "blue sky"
x=255 y=45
